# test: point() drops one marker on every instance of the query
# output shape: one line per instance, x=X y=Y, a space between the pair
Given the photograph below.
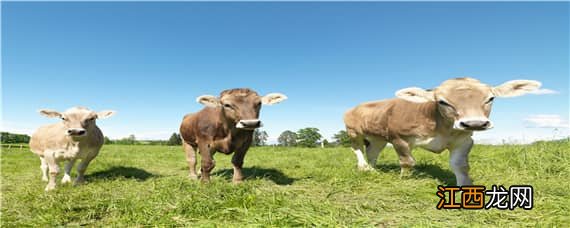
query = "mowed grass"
x=148 y=185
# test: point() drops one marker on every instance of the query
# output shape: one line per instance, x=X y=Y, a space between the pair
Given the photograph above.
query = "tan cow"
x=225 y=125
x=75 y=137
x=438 y=119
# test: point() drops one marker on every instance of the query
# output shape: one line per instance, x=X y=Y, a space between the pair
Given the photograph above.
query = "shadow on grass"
x=255 y=172
x=423 y=171
x=121 y=172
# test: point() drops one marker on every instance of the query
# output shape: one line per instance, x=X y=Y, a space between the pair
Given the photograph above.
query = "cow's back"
x=47 y=137
x=187 y=128
x=369 y=118
x=205 y=123
x=392 y=118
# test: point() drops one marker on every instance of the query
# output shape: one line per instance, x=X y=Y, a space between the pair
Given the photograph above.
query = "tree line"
x=310 y=137
x=305 y=137
x=132 y=140
x=6 y=138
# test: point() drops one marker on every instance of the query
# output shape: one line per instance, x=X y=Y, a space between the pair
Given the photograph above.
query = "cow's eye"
x=227 y=106
x=63 y=118
x=441 y=102
x=490 y=100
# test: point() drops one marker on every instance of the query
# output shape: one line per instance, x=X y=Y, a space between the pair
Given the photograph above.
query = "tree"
x=7 y=137
x=342 y=139
x=287 y=138
x=326 y=143
x=107 y=140
x=259 y=138
x=131 y=140
x=308 y=137
x=174 y=140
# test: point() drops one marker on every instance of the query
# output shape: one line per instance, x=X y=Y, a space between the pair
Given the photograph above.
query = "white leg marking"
x=362 y=164
x=53 y=170
x=44 y=168
x=67 y=175
x=459 y=161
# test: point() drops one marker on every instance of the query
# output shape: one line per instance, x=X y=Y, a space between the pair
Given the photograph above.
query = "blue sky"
x=149 y=61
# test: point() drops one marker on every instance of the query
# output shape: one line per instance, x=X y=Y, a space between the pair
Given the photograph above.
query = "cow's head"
x=466 y=101
x=77 y=120
x=241 y=107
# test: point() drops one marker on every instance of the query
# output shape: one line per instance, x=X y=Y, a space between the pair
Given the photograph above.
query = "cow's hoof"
x=45 y=179
x=79 y=182
x=365 y=168
x=50 y=187
x=205 y=180
x=66 y=179
x=405 y=172
x=464 y=183
x=193 y=177
x=237 y=181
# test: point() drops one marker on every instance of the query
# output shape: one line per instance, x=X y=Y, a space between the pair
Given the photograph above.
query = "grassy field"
x=147 y=185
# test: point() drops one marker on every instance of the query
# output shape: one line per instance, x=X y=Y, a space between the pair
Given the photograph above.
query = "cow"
x=75 y=137
x=436 y=120
x=225 y=125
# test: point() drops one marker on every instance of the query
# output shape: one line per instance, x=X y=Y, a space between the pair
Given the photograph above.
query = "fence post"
x=21 y=146
x=9 y=146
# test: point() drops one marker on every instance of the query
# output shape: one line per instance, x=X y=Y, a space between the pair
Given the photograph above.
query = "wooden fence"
x=15 y=146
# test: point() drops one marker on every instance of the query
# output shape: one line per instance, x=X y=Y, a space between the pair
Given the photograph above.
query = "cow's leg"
x=357 y=145
x=237 y=162
x=459 y=160
x=81 y=170
x=358 y=149
x=373 y=149
x=404 y=151
x=53 y=170
x=191 y=159
x=207 y=160
x=44 y=168
x=67 y=171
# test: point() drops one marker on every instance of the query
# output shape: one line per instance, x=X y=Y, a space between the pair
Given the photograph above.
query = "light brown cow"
x=226 y=125
x=438 y=119
x=75 y=137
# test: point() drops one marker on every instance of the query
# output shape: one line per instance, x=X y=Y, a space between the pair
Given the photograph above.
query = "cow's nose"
x=476 y=124
x=249 y=124
x=76 y=132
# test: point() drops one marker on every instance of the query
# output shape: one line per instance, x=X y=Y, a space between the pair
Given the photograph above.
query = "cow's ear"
x=105 y=114
x=415 y=94
x=273 y=98
x=50 y=113
x=516 y=88
x=208 y=100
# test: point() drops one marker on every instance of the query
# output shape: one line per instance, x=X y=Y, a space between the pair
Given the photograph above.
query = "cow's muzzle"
x=473 y=124
x=76 y=132
x=249 y=124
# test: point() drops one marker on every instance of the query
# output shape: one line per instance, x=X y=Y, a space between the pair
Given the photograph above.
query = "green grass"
x=148 y=185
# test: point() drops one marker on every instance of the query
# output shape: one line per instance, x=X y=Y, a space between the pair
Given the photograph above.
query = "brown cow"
x=226 y=125
x=438 y=119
